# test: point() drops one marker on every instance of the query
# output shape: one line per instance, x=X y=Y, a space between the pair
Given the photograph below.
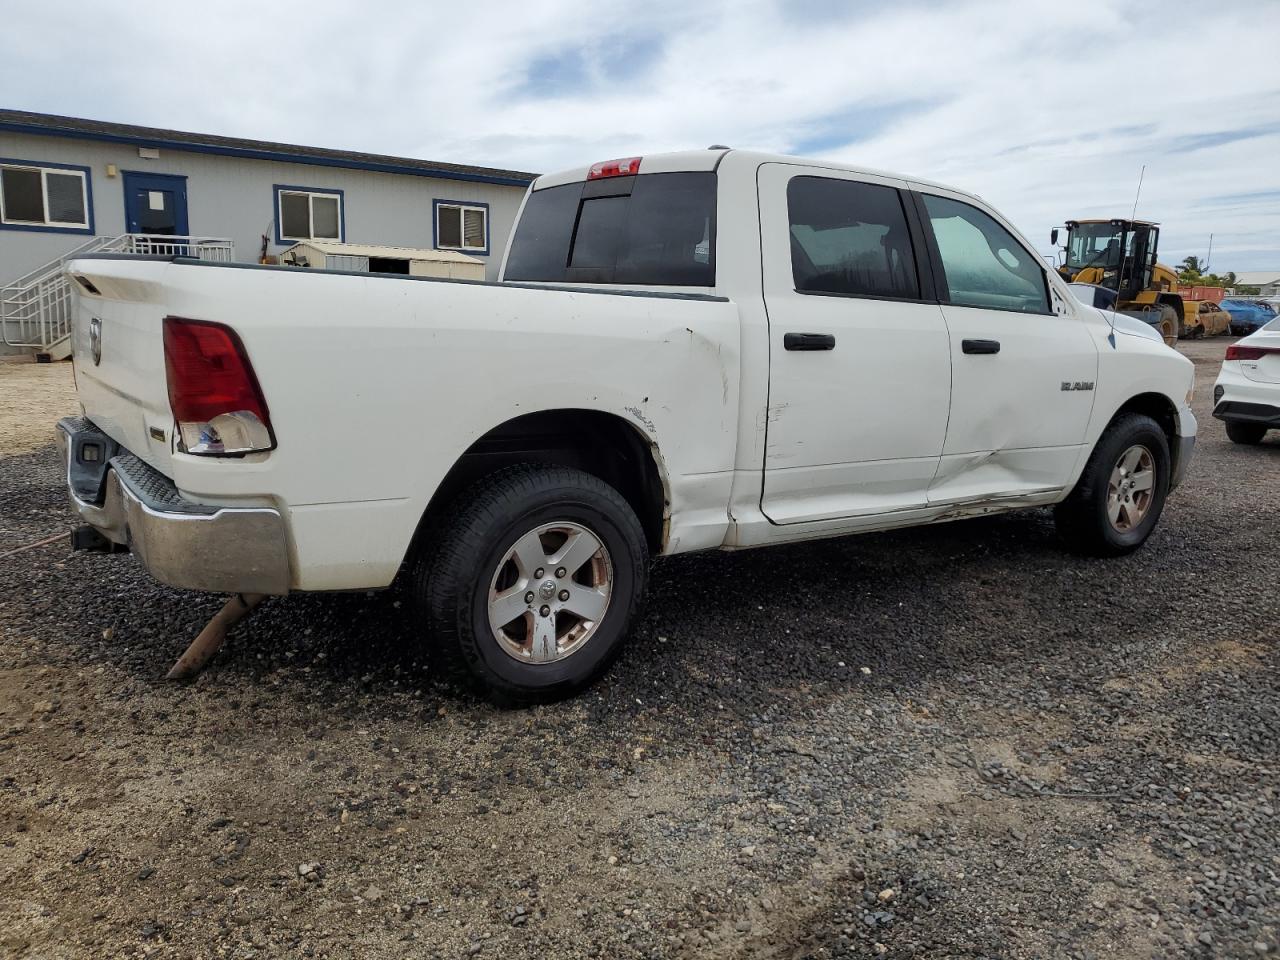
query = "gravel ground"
x=33 y=397
x=946 y=742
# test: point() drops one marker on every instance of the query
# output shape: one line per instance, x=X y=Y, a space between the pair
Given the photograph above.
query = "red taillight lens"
x=213 y=392
x=614 y=168
x=1236 y=352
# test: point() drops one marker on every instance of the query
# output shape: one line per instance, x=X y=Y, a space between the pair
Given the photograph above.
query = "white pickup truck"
x=700 y=350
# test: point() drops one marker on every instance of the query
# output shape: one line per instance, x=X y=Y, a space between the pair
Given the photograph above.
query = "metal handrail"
x=89 y=246
x=36 y=309
x=218 y=249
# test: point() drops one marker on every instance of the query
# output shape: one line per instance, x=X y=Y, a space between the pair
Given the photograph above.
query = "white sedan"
x=1247 y=394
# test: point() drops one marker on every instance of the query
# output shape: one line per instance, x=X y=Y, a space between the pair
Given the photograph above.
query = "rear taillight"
x=1237 y=352
x=213 y=393
x=614 y=168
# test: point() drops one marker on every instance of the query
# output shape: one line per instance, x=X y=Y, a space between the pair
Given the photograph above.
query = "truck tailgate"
x=118 y=354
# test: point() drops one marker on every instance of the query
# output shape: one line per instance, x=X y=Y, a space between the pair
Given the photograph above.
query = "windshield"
x=1094 y=245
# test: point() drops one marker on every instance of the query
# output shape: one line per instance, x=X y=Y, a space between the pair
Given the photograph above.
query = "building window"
x=303 y=214
x=44 y=196
x=462 y=226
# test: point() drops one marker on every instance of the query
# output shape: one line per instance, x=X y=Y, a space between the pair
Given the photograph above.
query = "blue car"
x=1247 y=315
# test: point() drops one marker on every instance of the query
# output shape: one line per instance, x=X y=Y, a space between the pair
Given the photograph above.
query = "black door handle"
x=980 y=346
x=808 y=341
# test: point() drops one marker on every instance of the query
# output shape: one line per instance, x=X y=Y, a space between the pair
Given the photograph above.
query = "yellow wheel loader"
x=1117 y=258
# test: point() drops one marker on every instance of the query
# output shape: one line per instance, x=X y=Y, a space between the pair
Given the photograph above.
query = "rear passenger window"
x=851 y=239
x=984 y=265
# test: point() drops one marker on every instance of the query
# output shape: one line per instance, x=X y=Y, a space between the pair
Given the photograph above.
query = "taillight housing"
x=1237 y=352
x=627 y=167
x=213 y=393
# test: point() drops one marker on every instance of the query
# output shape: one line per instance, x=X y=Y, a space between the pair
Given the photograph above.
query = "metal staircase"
x=36 y=310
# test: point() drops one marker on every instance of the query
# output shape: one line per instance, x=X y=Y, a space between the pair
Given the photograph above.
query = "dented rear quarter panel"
x=377 y=385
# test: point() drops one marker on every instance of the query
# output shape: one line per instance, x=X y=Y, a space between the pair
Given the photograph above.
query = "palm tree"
x=1192 y=265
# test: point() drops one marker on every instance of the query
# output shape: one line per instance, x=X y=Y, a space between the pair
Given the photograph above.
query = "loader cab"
x=1117 y=254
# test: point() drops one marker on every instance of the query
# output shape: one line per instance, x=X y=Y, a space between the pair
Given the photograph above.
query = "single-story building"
x=1267 y=281
x=67 y=183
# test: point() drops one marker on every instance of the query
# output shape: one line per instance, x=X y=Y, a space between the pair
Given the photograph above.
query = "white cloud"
x=1047 y=109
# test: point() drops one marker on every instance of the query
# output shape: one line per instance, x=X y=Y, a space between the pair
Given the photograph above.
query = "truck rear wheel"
x=533 y=584
x=1121 y=493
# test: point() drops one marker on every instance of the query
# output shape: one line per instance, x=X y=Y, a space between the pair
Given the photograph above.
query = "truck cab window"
x=602 y=222
x=850 y=238
x=653 y=229
x=984 y=265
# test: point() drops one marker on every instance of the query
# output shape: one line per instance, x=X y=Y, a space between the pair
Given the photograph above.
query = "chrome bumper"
x=184 y=544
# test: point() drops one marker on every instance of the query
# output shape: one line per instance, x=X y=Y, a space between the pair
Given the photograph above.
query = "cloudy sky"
x=1049 y=110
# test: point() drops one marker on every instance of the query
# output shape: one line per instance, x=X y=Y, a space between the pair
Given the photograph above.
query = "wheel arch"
x=594 y=441
x=1163 y=411
x=1084 y=518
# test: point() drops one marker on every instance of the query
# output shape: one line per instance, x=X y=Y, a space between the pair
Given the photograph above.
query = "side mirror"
x=1053 y=236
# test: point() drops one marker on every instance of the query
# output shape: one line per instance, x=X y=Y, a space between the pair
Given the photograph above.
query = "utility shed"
x=371 y=258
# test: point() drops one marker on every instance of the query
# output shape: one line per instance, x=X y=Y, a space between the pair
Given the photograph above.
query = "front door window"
x=984 y=265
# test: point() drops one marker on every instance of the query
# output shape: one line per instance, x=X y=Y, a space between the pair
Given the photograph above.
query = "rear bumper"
x=184 y=544
x=1242 y=412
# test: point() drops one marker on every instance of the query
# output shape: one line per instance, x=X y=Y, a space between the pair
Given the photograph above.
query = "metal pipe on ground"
x=214 y=635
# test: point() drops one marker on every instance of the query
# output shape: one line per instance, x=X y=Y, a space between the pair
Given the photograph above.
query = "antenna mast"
x=1141 y=174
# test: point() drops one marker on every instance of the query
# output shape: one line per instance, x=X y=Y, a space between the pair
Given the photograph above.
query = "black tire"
x=1082 y=519
x=451 y=582
x=1249 y=434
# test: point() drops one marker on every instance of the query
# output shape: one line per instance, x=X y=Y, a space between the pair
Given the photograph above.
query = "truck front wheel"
x=1121 y=493
x=533 y=583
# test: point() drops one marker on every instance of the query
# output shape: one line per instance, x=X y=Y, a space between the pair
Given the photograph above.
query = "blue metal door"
x=155 y=204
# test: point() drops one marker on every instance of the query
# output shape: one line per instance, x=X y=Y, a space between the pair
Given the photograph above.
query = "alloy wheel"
x=550 y=592
x=1131 y=489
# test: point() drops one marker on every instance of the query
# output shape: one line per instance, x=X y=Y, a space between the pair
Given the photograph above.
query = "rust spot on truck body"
x=641 y=418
